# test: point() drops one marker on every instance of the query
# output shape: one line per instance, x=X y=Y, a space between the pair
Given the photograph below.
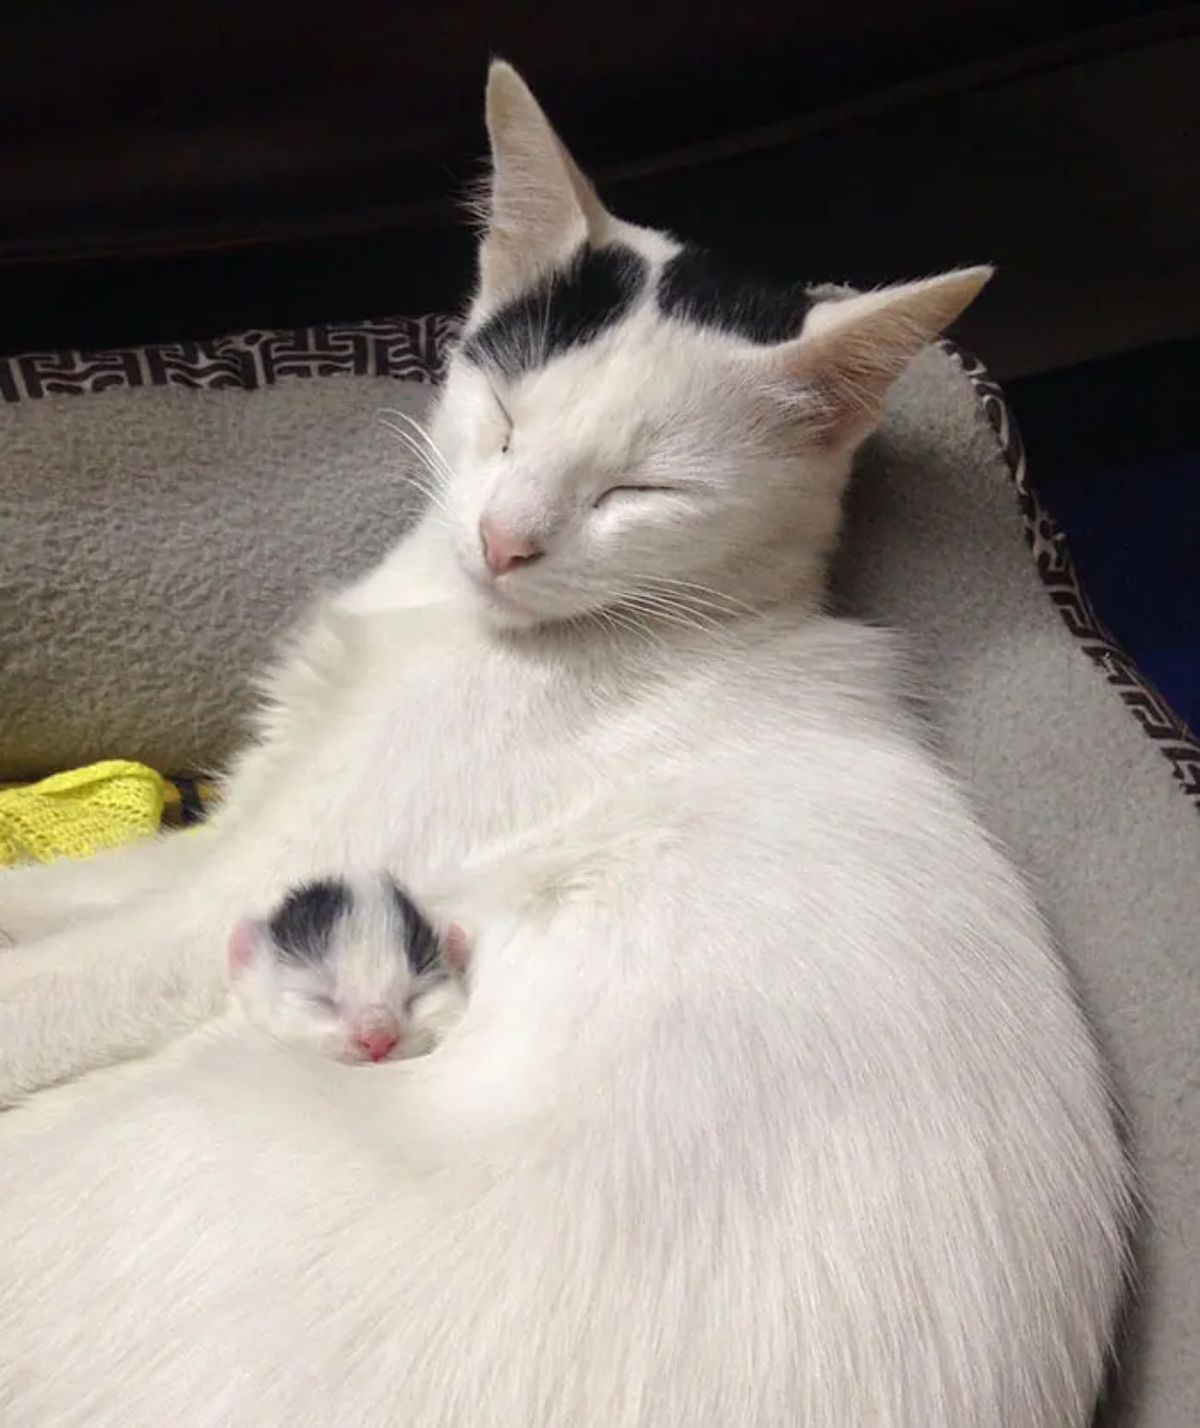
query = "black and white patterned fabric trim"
x=1057 y=571
x=408 y=348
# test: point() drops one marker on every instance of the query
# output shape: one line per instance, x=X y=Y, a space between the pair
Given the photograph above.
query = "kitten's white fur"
x=770 y=1105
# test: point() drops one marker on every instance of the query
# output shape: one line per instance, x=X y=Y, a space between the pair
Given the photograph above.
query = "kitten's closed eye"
x=422 y=993
x=306 y=999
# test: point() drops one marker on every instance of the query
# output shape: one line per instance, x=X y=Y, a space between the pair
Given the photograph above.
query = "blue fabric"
x=1134 y=533
x=1114 y=453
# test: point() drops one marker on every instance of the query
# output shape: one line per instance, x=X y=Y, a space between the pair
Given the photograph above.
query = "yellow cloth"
x=80 y=812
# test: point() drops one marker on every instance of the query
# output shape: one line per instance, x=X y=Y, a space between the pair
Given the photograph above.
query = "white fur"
x=770 y=1105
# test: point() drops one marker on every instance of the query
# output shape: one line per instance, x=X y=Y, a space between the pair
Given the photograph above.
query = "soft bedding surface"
x=167 y=512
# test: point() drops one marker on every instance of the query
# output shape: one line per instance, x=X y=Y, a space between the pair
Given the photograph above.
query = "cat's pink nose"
x=503 y=550
x=376 y=1044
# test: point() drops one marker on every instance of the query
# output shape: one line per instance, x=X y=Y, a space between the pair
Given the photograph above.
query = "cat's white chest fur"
x=517 y=738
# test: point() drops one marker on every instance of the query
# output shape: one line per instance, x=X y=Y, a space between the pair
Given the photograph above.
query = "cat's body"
x=770 y=1104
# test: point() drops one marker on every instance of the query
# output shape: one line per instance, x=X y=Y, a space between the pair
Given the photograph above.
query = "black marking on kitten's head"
x=303 y=925
x=571 y=306
x=421 y=942
x=696 y=286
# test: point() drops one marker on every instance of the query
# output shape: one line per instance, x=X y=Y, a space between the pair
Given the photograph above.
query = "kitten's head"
x=351 y=969
x=625 y=423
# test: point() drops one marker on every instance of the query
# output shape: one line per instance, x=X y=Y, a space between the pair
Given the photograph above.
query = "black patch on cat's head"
x=421 y=942
x=696 y=286
x=571 y=306
x=303 y=925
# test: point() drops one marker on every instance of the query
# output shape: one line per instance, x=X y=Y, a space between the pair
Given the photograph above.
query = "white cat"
x=770 y=1104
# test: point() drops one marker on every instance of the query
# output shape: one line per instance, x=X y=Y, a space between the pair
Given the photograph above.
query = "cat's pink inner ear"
x=243 y=944
x=458 y=949
x=541 y=206
x=852 y=349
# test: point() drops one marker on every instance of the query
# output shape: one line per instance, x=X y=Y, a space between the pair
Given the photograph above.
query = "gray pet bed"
x=165 y=511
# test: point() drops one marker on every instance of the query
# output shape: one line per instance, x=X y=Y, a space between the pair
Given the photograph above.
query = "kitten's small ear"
x=244 y=942
x=457 y=949
x=852 y=349
x=540 y=208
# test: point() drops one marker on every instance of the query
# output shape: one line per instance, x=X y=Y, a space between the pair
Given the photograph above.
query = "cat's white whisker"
x=721 y=597
x=673 y=612
x=426 y=477
x=422 y=436
x=686 y=600
x=628 y=622
x=411 y=423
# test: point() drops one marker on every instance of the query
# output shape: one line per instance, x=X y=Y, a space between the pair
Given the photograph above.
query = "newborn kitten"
x=350 y=968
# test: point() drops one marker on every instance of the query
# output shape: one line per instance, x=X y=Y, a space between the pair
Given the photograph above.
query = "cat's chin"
x=506 y=618
x=511 y=613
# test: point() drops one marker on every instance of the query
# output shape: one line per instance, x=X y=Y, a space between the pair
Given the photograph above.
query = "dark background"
x=174 y=170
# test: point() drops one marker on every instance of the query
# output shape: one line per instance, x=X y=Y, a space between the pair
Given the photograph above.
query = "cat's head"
x=625 y=424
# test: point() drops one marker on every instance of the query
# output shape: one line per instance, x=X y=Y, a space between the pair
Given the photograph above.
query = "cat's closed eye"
x=615 y=493
x=508 y=421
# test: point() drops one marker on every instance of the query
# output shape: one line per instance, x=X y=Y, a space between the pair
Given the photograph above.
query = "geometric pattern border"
x=1052 y=556
x=408 y=348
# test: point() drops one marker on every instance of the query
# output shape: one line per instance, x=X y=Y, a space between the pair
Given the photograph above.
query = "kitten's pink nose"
x=376 y=1033
x=503 y=550
x=377 y=1042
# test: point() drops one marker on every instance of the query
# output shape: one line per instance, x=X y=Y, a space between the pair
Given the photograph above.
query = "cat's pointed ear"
x=539 y=207
x=850 y=350
x=244 y=943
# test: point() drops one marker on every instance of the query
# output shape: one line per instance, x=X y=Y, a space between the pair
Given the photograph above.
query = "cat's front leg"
x=44 y=898
x=109 y=989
